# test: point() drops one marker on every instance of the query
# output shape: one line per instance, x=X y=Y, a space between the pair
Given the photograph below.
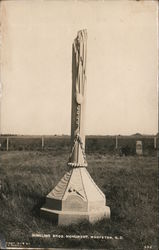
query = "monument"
x=76 y=197
x=139 y=148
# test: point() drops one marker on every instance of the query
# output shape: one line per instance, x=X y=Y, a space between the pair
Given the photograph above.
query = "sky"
x=36 y=57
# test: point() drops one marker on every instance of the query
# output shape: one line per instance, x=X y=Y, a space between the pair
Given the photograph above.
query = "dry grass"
x=130 y=185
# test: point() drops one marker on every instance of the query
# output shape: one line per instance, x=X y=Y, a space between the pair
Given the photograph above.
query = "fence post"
x=7 y=143
x=42 y=142
x=155 y=142
x=116 y=142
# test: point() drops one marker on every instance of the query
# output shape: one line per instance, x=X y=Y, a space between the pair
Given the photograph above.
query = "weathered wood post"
x=76 y=197
x=7 y=143
x=42 y=142
x=155 y=142
x=116 y=142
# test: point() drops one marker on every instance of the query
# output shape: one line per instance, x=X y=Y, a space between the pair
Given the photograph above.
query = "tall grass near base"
x=129 y=183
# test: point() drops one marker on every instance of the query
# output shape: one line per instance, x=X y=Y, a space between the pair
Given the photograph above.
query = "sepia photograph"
x=79 y=141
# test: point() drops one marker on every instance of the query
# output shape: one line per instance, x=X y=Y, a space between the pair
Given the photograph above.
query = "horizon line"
x=47 y=135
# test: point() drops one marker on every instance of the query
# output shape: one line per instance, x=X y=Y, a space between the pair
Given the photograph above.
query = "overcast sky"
x=36 y=55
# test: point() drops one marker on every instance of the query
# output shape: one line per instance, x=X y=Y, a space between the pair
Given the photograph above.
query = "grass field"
x=129 y=183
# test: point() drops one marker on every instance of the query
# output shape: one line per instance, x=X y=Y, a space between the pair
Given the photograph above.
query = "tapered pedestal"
x=75 y=198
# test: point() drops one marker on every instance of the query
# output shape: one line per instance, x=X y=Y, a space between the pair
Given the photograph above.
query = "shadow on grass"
x=36 y=208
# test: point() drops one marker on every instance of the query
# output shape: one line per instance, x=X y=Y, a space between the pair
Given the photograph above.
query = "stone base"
x=67 y=217
x=76 y=197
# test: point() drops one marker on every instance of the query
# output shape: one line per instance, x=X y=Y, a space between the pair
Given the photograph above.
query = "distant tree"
x=137 y=134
